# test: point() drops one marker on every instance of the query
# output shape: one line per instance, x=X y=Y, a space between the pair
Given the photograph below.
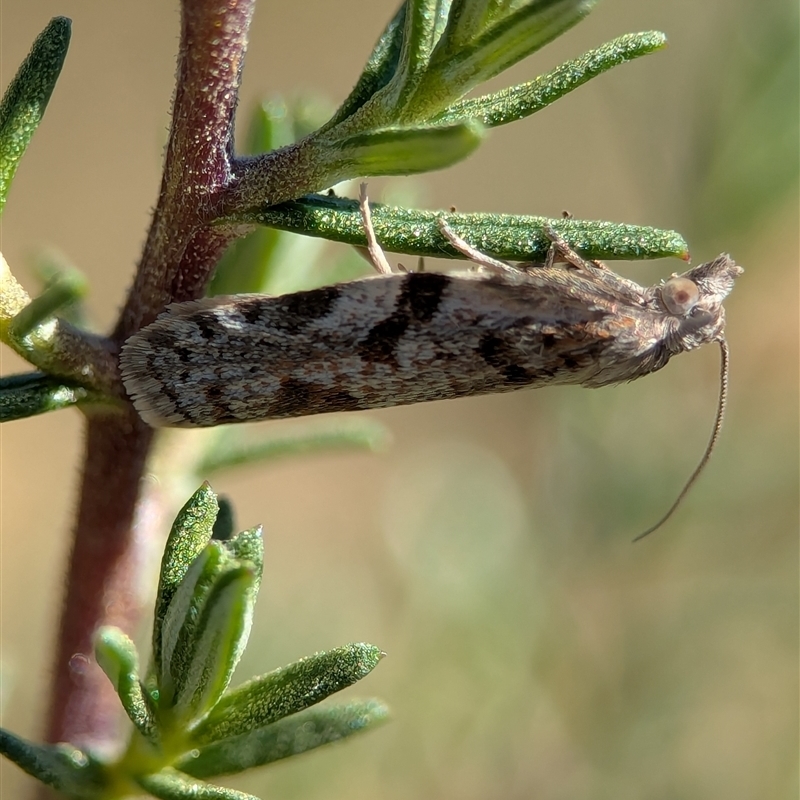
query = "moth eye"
x=680 y=295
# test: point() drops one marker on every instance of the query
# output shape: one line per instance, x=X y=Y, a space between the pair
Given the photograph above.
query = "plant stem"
x=181 y=248
x=103 y=577
x=115 y=521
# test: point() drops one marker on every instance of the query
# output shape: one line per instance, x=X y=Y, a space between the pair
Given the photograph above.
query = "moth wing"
x=550 y=297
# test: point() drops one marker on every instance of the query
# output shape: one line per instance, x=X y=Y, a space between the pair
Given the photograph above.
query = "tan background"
x=533 y=651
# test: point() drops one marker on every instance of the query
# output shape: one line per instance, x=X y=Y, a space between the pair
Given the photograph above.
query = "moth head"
x=695 y=300
x=702 y=288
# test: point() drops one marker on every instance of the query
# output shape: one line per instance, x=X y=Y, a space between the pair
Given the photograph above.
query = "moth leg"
x=472 y=253
x=560 y=247
x=622 y=286
x=376 y=255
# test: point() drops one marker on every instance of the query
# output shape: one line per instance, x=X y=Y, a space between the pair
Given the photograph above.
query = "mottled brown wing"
x=372 y=343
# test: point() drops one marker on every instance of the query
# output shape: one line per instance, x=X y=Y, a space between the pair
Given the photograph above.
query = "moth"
x=408 y=337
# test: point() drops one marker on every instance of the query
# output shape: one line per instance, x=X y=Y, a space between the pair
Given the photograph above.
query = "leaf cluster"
x=187 y=725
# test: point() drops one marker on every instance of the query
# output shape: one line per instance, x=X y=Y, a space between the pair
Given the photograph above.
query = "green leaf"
x=511 y=38
x=247 y=547
x=518 y=102
x=169 y=784
x=116 y=654
x=209 y=629
x=457 y=66
x=50 y=266
x=65 y=768
x=179 y=630
x=380 y=67
x=402 y=151
x=290 y=736
x=54 y=346
x=32 y=393
x=506 y=236
x=467 y=18
x=268 y=698
x=419 y=29
x=235 y=448
x=221 y=637
x=64 y=290
x=190 y=533
x=26 y=97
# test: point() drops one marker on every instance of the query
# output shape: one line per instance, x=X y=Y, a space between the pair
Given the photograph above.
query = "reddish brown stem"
x=114 y=521
x=102 y=579
x=197 y=164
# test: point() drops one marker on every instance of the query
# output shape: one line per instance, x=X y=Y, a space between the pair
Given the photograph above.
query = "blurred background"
x=533 y=651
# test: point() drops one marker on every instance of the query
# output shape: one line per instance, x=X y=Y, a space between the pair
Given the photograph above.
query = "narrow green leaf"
x=516 y=35
x=65 y=768
x=219 y=642
x=513 y=37
x=518 y=102
x=402 y=151
x=416 y=232
x=380 y=67
x=55 y=347
x=50 y=266
x=32 y=393
x=181 y=620
x=441 y=13
x=290 y=736
x=26 y=97
x=169 y=784
x=247 y=547
x=418 y=31
x=116 y=654
x=63 y=291
x=455 y=67
x=268 y=698
x=235 y=448
x=465 y=21
x=190 y=533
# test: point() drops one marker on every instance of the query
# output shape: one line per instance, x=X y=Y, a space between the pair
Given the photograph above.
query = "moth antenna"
x=712 y=442
x=376 y=255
